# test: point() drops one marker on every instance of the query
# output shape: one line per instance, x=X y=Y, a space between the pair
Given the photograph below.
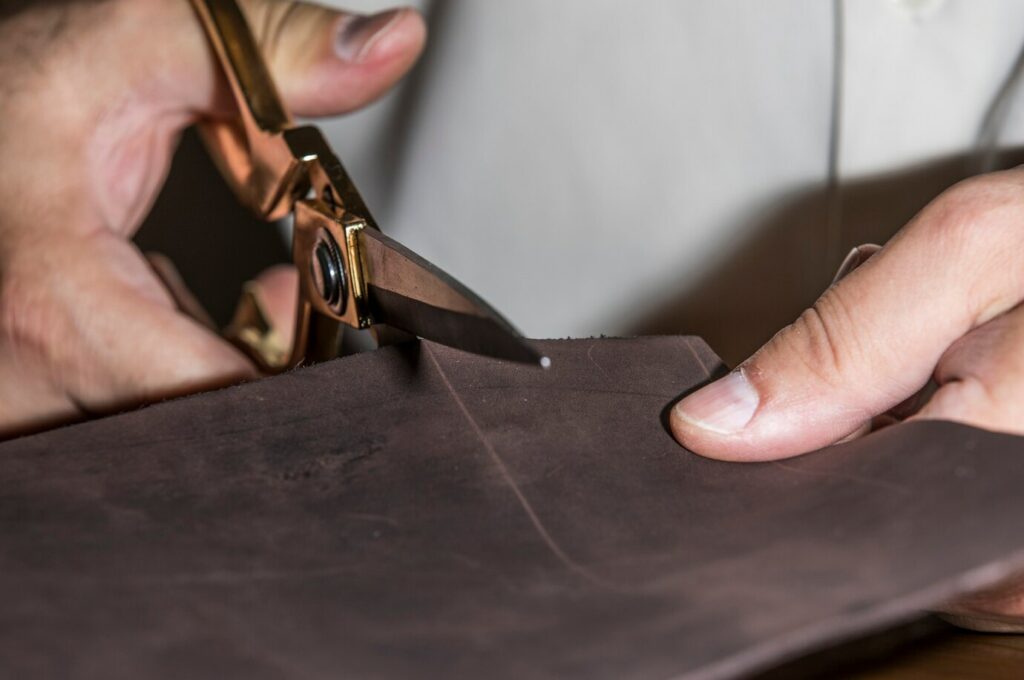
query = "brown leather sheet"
x=419 y=512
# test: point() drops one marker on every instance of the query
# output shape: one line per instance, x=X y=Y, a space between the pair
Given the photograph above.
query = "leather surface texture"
x=420 y=512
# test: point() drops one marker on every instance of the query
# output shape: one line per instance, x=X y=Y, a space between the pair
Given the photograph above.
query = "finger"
x=328 y=62
x=265 y=318
x=277 y=290
x=116 y=98
x=996 y=610
x=323 y=61
x=873 y=339
x=106 y=337
x=981 y=377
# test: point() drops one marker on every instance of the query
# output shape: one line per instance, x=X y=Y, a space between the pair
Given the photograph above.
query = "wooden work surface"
x=954 y=655
x=419 y=512
x=926 y=648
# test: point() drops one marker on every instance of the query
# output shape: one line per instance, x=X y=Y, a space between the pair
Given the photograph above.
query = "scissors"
x=350 y=274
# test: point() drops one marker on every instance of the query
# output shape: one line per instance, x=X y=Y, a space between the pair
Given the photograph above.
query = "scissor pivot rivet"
x=328 y=271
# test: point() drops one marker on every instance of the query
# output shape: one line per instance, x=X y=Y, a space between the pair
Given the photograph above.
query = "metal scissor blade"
x=409 y=293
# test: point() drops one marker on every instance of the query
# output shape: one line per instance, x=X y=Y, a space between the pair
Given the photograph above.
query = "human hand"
x=95 y=97
x=941 y=301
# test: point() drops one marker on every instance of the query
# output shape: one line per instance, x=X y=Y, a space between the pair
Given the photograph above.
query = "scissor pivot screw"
x=329 y=272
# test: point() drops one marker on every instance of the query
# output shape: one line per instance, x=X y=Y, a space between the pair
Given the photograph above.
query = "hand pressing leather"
x=95 y=95
x=940 y=302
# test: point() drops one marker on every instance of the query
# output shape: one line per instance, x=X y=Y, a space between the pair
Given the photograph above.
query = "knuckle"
x=973 y=230
x=967 y=398
x=23 y=325
x=992 y=353
x=36 y=325
x=955 y=214
x=966 y=216
x=825 y=340
x=981 y=378
x=969 y=354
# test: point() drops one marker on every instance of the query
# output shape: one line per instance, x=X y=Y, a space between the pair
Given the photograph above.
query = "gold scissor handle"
x=272 y=165
x=250 y=150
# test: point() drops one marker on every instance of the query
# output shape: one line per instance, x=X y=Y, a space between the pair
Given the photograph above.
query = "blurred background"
x=672 y=166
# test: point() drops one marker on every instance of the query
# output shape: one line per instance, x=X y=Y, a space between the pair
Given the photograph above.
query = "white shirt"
x=606 y=167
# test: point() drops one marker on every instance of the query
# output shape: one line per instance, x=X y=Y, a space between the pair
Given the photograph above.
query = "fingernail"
x=854 y=259
x=358 y=33
x=724 y=407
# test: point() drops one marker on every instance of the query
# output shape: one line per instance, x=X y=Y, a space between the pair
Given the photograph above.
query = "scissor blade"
x=409 y=293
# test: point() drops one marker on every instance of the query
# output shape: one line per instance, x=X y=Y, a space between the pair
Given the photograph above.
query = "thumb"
x=328 y=62
x=873 y=339
x=323 y=61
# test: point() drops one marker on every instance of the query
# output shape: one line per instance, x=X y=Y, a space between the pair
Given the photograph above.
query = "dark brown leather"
x=420 y=512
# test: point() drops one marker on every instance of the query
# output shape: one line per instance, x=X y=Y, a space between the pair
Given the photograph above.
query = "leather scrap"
x=420 y=512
